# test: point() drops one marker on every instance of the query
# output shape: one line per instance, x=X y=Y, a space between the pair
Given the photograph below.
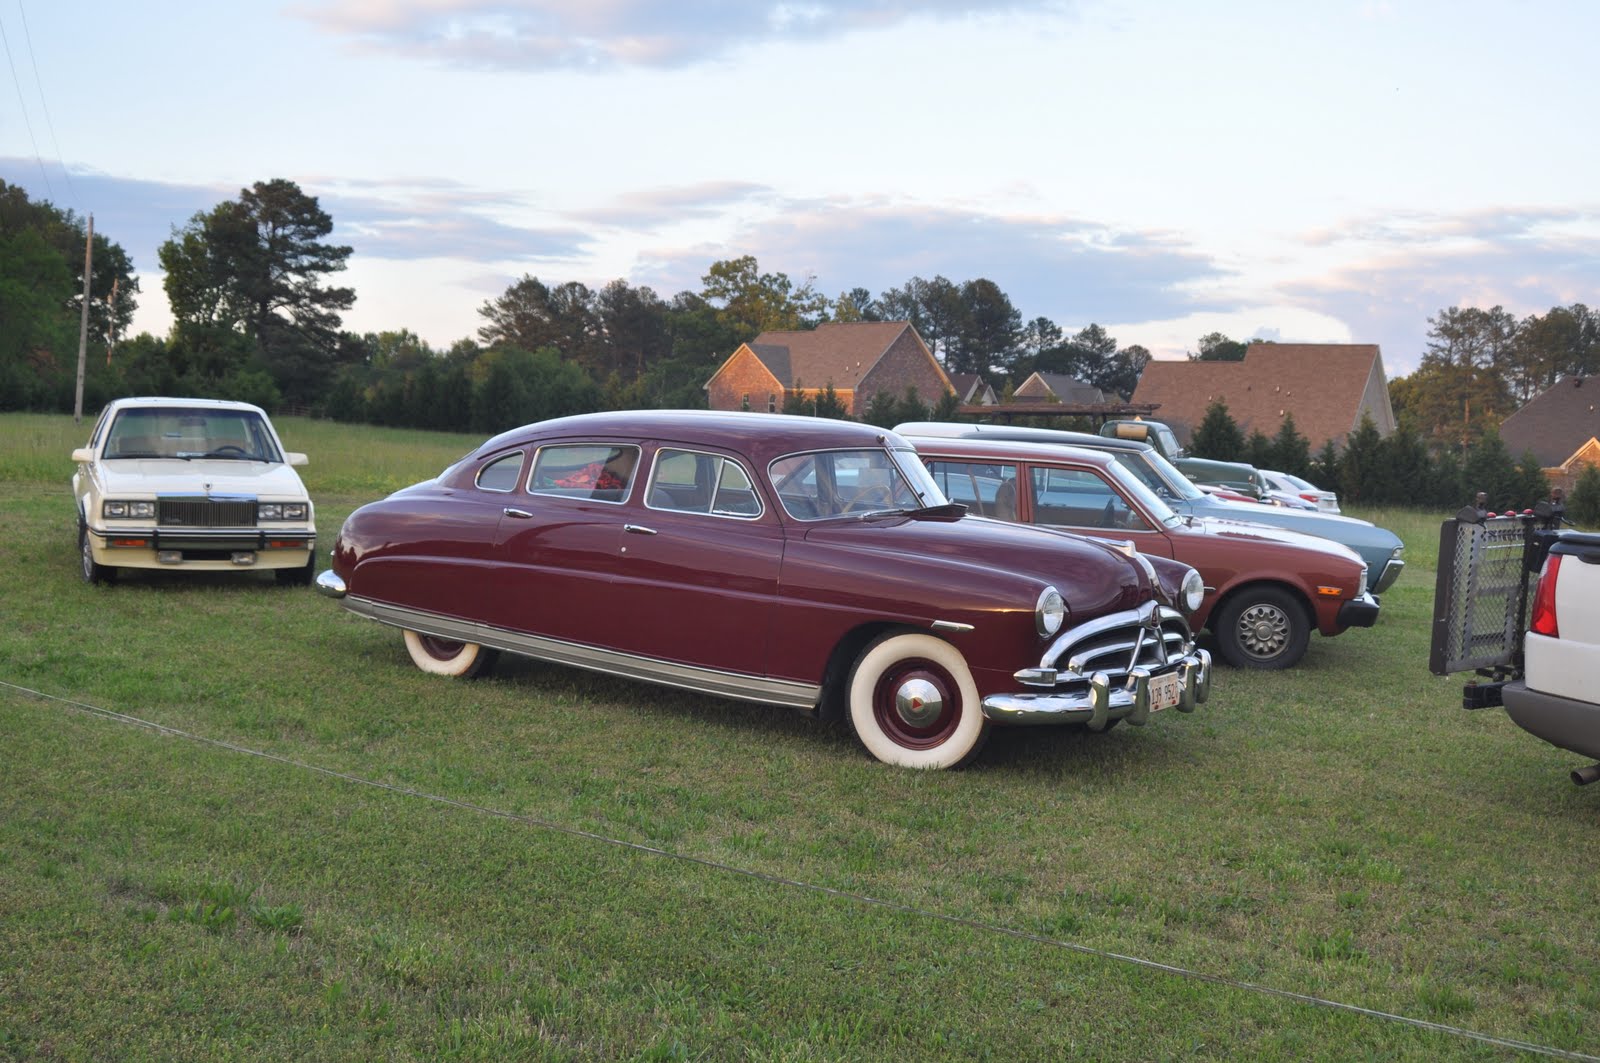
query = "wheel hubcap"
x=917 y=705
x=441 y=649
x=918 y=702
x=1263 y=631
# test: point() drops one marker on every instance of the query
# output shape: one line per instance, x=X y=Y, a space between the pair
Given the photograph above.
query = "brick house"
x=858 y=358
x=1560 y=427
x=1326 y=386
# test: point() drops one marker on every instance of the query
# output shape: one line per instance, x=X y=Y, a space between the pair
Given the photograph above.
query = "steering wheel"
x=226 y=448
x=879 y=497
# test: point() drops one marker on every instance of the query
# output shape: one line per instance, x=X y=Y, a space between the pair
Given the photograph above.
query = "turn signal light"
x=1330 y=592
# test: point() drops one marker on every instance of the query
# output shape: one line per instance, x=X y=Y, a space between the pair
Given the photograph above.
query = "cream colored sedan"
x=196 y=484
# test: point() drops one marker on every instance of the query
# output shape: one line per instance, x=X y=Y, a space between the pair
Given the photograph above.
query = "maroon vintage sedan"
x=1266 y=588
x=789 y=560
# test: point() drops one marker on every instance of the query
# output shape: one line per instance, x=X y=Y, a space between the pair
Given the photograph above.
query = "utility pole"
x=83 y=324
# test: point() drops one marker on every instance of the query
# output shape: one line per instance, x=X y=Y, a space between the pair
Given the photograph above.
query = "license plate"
x=1165 y=691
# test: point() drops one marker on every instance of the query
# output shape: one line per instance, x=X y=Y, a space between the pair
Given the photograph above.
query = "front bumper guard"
x=1104 y=700
x=1358 y=612
x=1391 y=572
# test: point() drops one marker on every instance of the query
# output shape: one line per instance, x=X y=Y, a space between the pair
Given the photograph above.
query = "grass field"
x=554 y=865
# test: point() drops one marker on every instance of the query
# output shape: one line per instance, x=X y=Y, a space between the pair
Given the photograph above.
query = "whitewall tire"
x=438 y=656
x=913 y=703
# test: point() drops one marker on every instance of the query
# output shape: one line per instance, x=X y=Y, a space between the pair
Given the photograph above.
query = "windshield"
x=1303 y=485
x=1150 y=499
x=191 y=432
x=836 y=483
x=1158 y=474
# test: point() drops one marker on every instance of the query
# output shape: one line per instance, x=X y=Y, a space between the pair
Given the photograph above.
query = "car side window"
x=988 y=489
x=602 y=472
x=1079 y=498
x=502 y=473
x=686 y=481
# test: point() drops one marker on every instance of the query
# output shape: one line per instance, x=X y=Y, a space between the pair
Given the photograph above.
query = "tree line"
x=257 y=316
x=1402 y=468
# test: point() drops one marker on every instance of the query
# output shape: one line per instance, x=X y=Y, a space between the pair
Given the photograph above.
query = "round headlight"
x=1050 y=613
x=1193 y=591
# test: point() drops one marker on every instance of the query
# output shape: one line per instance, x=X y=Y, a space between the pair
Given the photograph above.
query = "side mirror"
x=294 y=457
x=83 y=455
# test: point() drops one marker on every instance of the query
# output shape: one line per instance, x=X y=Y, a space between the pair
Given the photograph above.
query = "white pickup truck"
x=1535 y=643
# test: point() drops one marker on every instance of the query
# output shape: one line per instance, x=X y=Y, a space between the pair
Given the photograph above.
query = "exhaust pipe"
x=1585 y=776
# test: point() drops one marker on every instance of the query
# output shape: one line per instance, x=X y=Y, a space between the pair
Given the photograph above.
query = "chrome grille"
x=1147 y=637
x=206 y=512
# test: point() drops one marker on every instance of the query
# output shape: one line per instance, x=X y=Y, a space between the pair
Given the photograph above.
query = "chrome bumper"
x=1103 y=701
x=329 y=583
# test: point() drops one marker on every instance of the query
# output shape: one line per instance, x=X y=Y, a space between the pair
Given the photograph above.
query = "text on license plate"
x=1165 y=690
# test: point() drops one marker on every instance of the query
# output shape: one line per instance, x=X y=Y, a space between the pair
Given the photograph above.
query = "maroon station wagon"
x=789 y=560
x=1266 y=588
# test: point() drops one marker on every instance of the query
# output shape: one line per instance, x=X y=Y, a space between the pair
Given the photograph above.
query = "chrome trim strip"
x=215 y=538
x=783 y=692
x=949 y=625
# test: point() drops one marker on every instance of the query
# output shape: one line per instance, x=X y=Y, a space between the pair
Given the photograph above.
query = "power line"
x=33 y=59
x=22 y=108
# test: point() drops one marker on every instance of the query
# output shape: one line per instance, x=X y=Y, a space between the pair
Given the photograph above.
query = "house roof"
x=1555 y=424
x=1069 y=389
x=1321 y=384
x=965 y=384
x=838 y=353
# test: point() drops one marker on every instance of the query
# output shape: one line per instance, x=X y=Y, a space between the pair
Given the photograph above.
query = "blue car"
x=1379 y=547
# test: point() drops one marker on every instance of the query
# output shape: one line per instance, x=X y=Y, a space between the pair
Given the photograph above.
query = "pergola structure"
x=1008 y=412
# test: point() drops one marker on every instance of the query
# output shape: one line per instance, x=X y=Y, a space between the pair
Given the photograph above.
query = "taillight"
x=1311 y=498
x=1543 y=620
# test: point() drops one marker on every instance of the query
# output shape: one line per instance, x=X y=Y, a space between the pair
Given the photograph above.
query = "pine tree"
x=1218 y=436
x=1489 y=468
x=1404 y=469
x=1258 y=450
x=1532 y=484
x=1359 y=468
x=1325 y=470
x=1291 y=451
x=1583 y=505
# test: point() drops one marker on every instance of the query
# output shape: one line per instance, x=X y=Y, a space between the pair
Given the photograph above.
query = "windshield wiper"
x=947 y=512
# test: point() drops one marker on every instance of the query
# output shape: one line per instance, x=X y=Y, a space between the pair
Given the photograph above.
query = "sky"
x=1333 y=171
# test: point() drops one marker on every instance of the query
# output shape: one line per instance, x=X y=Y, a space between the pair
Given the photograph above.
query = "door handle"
x=638 y=529
x=520 y=514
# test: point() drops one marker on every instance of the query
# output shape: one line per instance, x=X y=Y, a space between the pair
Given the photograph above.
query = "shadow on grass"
x=1112 y=755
